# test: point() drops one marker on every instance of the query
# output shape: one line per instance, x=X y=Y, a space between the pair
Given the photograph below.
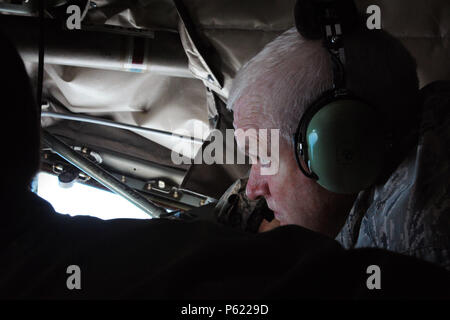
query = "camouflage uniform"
x=410 y=213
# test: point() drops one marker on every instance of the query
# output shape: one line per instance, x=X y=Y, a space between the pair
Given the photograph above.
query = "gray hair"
x=290 y=72
x=280 y=84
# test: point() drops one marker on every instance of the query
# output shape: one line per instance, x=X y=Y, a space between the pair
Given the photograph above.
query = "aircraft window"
x=82 y=199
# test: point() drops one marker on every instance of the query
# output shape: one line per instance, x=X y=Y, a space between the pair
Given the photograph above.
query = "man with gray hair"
x=275 y=88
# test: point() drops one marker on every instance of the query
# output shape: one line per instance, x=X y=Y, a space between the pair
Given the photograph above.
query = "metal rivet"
x=149 y=186
x=123 y=179
x=161 y=184
x=202 y=202
x=175 y=194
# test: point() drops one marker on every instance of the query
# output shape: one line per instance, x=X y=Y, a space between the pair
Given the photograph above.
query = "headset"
x=337 y=141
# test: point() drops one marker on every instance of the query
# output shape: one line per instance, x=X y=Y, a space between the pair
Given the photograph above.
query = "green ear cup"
x=345 y=147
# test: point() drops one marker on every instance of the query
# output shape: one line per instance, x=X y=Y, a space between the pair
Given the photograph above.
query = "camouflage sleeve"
x=410 y=213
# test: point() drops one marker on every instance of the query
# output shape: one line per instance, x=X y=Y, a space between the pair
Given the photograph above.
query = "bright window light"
x=82 y=199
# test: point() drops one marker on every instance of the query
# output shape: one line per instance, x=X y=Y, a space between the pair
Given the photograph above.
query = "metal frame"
x=108 y=123
x=101 y=175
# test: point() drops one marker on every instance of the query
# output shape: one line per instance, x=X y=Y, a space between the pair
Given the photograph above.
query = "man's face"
x=294 y=198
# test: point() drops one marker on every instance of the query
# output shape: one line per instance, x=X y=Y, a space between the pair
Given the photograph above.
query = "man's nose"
x=256 y=185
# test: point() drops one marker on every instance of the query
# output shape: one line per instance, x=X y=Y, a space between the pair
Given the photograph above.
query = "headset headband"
x=328 y=20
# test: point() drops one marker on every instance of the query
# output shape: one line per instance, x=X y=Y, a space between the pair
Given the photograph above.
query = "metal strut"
x=101 y=175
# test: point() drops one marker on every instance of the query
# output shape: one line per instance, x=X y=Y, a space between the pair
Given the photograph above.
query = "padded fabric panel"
x=147 y=100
